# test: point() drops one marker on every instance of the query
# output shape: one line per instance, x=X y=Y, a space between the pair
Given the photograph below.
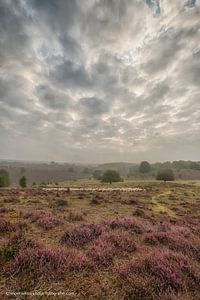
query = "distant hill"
x=39 y=172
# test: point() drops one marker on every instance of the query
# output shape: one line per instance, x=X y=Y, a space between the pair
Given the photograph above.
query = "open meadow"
x=98 y=244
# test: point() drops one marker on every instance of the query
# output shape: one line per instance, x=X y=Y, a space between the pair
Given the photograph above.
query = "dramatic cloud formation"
x=100 y=80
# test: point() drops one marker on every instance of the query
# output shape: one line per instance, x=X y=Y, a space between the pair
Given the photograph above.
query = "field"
x=93 y=244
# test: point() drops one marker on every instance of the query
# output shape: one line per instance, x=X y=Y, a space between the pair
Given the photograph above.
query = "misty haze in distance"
x=99 y=81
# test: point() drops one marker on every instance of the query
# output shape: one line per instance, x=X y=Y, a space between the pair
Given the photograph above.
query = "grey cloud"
x=92 y=106
x=51 y=98
x=120 y=78
x=70 y=74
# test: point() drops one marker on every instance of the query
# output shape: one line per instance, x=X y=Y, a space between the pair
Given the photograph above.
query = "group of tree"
x=108 y=176
x=5 y=179
x=111 y=176
x=145 y=169
x=165 y=175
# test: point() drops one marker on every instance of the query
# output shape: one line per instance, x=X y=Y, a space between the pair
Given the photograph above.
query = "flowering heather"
x=4 y=210
x=128 y=223
x=6 y=226
x=48 y=222
x=110 y=244
x=120 y=239
x=75 y=216
x=33 y=215
x=19 y=225
x=81 y=235
x=14 y=244
x=174 y=241
x=48 y=263
x=169 y=271
x=102 y=253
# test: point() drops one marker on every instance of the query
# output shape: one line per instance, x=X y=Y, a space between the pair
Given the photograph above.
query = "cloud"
x=99 y=80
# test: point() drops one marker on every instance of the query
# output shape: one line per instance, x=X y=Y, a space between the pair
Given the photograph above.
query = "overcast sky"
x=100 y=80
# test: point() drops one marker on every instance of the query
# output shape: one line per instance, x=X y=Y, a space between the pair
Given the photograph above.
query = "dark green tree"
x=165 y=175
x=144 y=167
x=23 y=182
x=111 y=176
x=4 y=178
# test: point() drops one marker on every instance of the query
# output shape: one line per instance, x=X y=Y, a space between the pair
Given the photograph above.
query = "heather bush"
x=6 y=226
x=101 y=253
x=109 y=244
x=60 y=202
x=16 y=242
x=33 y=215
x=48 y=263
x=43 y=219
x=128 y=223
x=121 y=240
x=48 y=222
x=169 y=270
x=81 y=235
x=139 y=213
x=130 y=202
x=75 y=216
x=95 y=201
x=174 y=241
x=5 y=210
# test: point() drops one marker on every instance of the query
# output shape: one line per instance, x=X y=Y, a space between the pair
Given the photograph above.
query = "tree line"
x=5 y=179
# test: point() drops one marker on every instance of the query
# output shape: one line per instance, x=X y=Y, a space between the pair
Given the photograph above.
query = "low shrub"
x=48 y=263
x=164 y=269
x=48 y=222
x=16 y=242
x=60 y=202
x=128 y=223
x=6 y=226
x=75 y=216
x=5 y=210
x=81 y=235
x=102 y=253
x=139 y=213
x=33 y=215
x=174 y=241
x=95 y=201
x=108 y=245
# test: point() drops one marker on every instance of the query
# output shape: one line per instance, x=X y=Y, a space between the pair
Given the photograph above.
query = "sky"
x=100 y=80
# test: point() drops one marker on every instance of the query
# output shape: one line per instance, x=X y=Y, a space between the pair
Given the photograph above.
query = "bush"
x=165 y=175
x=144 y=167
x=4 y=178
x=75 y=216
x=23 y=182
x=48 y=222
x=174 y=241
x=111 y=176
x=108 y=245
x=81 y=235
x=139 y=213
x=164 y=269
x=6 y=226
x=60 y=202
x=47 y=263
x=128 y=223
x=33 y=215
